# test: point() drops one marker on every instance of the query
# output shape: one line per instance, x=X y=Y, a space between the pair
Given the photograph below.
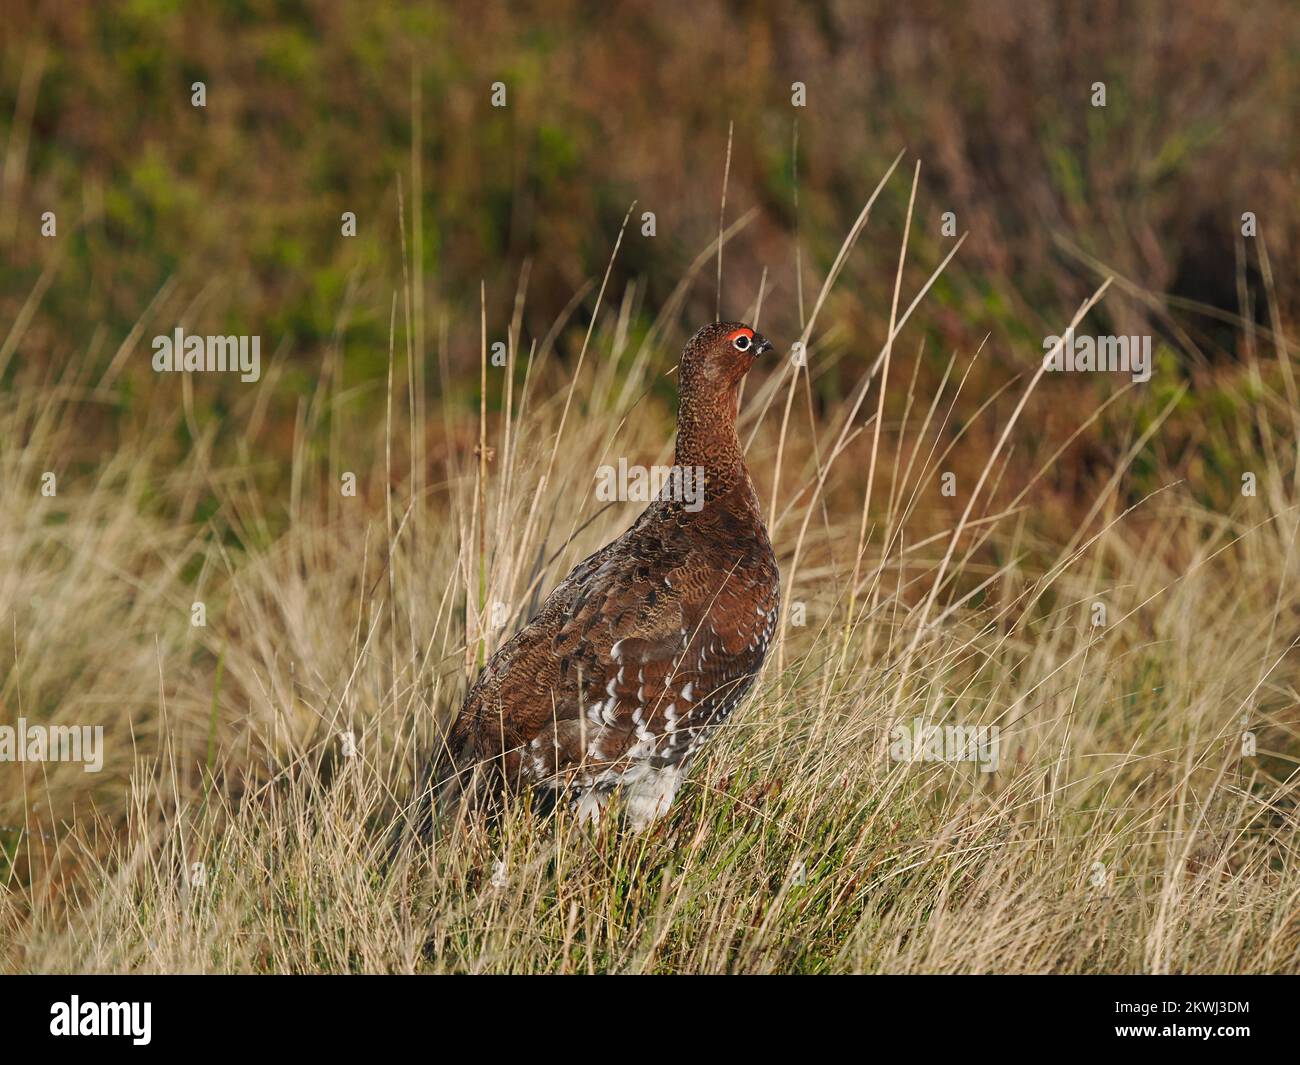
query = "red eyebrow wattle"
x=740 y=333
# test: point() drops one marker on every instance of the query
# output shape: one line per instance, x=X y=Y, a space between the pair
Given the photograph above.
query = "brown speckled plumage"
x=647 y=646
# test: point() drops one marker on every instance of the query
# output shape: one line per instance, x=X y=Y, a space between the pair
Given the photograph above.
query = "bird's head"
x=714 y=363
x=718 y=356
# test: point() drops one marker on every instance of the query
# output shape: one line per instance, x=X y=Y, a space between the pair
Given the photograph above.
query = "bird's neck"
x=707 y=439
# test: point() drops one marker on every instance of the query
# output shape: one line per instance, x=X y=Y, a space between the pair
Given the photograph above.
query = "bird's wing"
x=622 y=661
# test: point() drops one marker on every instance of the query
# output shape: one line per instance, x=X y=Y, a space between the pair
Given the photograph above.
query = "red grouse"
x=647 y=646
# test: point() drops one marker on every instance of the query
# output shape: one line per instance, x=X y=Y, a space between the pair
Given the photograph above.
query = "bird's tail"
x=442 y=787
x=450 y=784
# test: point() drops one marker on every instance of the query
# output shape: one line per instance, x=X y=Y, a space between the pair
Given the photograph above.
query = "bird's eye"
x=741 y=343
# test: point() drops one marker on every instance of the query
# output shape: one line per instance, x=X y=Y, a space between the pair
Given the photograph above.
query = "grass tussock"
x=1141 y=815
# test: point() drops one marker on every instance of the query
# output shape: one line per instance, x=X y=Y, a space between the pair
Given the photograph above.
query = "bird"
x=637 y=658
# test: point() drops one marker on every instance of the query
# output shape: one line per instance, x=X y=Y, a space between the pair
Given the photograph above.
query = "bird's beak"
x=762 y=345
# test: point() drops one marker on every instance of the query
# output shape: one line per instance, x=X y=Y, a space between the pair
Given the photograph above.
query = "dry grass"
x=1124 y=830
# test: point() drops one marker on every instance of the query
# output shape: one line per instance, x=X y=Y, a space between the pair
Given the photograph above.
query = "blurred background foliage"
x=227 y=217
